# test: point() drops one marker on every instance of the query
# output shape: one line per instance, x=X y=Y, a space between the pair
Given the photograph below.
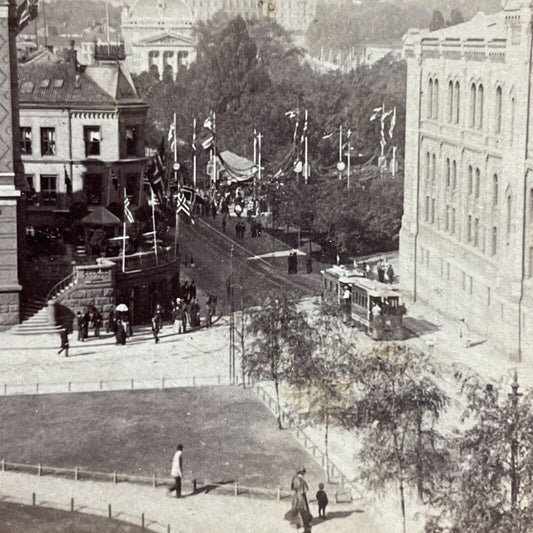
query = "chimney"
x=72 y=56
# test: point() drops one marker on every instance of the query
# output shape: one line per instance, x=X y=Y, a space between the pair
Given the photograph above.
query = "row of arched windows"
x=476 y=104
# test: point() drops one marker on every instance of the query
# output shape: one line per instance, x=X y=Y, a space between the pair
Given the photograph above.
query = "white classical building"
x=158 y=36
x=466 y=244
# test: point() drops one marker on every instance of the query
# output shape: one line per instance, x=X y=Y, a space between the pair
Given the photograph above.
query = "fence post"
x=69 y=386
x=33 y=498
x=219 y=379
x=154 y=482
x=101 y=385
x=236 y=489
x=72 y=504
x=3 y=465
x=109 y=511
x=39 y=469
x=162 y=382
x=142 y=521
x=115 y=476
x=193 y=381
x=279 y=494
x=168 y=528
x=194 y=486
x=132 y=383
x=76 y=473
x=37 y=387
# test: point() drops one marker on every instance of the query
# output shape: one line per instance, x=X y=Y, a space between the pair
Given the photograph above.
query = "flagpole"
x=259 y=157
x=214 y=150
x=107 y=25
x=348 y=133
x=194 y=153
x=124 y=236
x=306 y=148
x=340 y=151
x=175 y=148
x=255 y=164
x=153 y=225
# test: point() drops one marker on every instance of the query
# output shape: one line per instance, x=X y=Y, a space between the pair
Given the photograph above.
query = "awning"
x=100 y=216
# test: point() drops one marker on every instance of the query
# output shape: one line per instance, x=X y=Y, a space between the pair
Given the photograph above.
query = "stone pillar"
x=11 y=170
x=161 y=64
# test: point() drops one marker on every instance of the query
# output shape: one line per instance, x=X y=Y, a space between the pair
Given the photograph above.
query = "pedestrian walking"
x=120 y=332
x=85 y=325
x=299 y=515
x=224 y=223
x=79 y=326
x=322 y=500
x=111 y=322
x=97 y=322
x=157 y=324
x=64 y=342
x=390 y=273
x=176 y=471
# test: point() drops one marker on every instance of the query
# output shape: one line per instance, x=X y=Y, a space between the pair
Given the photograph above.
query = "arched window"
x=436 y=99
x=477 y=183
x=457 y=102
x=448 y=172
x=479 y=113
x=470 y=176
x=473 y=92
x=498 y=117
x=450 y=101
x=454 y=174
x=495 y=189
x=430 y=98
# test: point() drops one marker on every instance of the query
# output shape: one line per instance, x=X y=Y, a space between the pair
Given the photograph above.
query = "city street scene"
x=266 y=266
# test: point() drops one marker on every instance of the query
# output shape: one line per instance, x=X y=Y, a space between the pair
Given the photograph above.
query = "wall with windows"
x=466 y=245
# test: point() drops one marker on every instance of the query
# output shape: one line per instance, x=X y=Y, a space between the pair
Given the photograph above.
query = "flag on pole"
x=183 y=207
x=208 y=142
x=194 y=139
x=27 y=11
x=172 y=136
x=376 y=113
x=209 y=122
x=128 y=215
x=328 y=135
x=291 y=114
x=304 y=130
x=392 y=123
x=68 y=183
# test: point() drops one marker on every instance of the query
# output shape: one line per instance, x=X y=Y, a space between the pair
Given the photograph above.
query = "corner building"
x=466 y=244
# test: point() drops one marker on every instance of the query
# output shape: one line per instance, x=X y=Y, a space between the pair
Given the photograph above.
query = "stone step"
x=17 y=330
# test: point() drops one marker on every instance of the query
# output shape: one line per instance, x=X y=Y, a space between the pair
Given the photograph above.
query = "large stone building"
x=159 y=35
x=466 y=243
x=82 y=135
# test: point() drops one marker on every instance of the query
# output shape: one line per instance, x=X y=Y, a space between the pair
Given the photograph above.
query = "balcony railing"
x=142 y=260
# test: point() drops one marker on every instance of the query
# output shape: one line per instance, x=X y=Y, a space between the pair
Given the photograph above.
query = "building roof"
x=160 y=9
x=481 y=26
x=48 y=84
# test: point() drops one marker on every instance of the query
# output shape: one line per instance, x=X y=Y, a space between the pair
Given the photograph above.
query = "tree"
x=280 y=336
x=490 y=488
x=437 y=21
x=397 y=403
x=456 y=17
x=323 y=371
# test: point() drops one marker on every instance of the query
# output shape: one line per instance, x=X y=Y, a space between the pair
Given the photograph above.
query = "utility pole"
x=348 y=134
x=231 y=319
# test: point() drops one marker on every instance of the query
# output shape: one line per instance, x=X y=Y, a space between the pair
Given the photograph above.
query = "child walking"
x=322 y=500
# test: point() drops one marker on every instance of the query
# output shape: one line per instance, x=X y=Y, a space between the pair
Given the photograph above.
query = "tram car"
x=375 y=306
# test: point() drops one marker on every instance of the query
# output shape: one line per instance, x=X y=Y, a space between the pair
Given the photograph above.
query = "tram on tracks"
x=374 y=306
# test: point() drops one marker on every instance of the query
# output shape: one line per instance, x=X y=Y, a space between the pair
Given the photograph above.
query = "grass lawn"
x=227 y=434
x=16 y=518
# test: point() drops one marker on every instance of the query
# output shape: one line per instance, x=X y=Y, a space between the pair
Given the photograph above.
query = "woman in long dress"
x=299 y=514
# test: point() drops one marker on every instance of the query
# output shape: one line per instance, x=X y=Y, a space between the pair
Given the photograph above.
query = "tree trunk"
x=276 y=383
x=402 y=499
x=419 y=467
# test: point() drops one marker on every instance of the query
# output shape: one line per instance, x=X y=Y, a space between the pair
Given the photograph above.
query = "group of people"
x=240 y=229
x=385 y=272
x=300 y=515
x=91 y=317
x=292 y=263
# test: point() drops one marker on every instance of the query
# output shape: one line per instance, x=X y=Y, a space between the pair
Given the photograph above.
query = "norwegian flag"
x=27 y=11
x=183 y=207
x=128 y=215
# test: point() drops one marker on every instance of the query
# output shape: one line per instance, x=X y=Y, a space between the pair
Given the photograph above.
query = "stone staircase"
x=35 y=319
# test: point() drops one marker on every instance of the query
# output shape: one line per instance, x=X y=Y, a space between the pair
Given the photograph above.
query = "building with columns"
x=158 y=36
x=466 y=244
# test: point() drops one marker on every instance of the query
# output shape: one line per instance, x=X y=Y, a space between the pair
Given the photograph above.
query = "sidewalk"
x=202 y=513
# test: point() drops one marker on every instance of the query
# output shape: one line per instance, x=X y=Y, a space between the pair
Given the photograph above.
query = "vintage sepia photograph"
x=266 y=266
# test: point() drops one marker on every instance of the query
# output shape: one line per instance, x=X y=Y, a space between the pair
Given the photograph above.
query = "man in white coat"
x=176 y=471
